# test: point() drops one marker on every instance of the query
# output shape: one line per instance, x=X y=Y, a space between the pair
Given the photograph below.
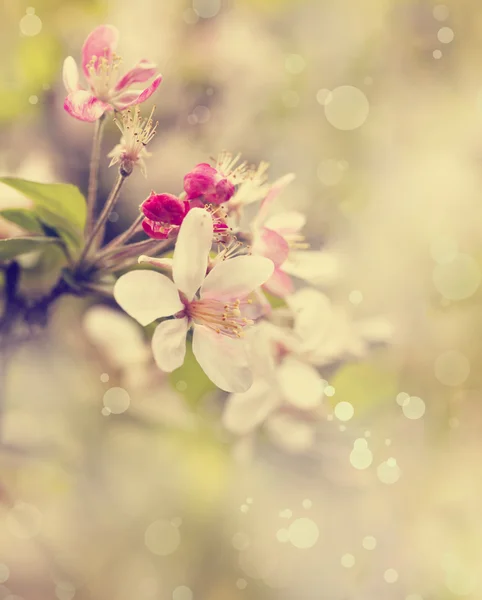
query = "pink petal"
x=236 y=278
x=275 y=190
x=164 y=208
x=272 y=245
x=100 y=43
x=284 y=223
x=279 y=284
x=169 y=344
x=70 y=74
x=143 y=71
x=85 y=106
x=127 y=99
x=223 y=359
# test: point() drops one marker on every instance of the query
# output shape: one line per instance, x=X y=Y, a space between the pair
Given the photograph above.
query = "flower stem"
x=94 y=172
x=125 y=235
x=100 y=222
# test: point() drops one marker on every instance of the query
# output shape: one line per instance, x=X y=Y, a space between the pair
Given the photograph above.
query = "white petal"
x=191 y=253
x=223 y=359
x=290 y=221
x=147 y=295
x=319 y=268
x=313 y=315
x=169 y=344
x=292 y=434
x=237 y=277
x=70 y=74
x=244 y=412
x=160 y=263
x=301 y=384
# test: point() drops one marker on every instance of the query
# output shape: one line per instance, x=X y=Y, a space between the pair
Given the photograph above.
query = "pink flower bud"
x=164 y=213
x=206 y=181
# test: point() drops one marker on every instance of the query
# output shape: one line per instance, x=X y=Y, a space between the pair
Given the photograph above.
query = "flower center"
x=136 y=132
x=103 y=75
x=225 y=318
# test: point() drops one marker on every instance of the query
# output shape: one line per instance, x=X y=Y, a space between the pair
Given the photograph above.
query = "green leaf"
x=61 y=206
x=12 y=247
x=24 y=218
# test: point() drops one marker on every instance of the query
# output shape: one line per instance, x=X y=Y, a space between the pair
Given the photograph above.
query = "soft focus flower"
x=327 y=333
x=285 y=394
x=278 y=237
x=136 y=134
x=212 y=305
x=106 y=91
x=216 y=185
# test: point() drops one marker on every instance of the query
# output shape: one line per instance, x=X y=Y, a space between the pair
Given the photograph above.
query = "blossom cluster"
x=234 y=253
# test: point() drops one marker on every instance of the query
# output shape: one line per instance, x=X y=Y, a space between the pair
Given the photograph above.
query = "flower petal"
x=169 y=344
x=290 y=433
x=279 y=284
x=70 y=74
x=160 y=263
x=274 y=191
x=147 y=295
x=272 y=245
x=284 y=223
x=100 y=43
x=191 y=253
x=223 y=359
x=132 y=97
x=143 y=71
x=85 y=106
x=301 y=384
x=317 y=267
x=237 y=277
x=244 y=412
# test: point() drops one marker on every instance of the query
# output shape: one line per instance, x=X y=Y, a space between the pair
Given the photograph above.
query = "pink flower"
x=164 y=214
x=279 y=238
x=216 y=185
x=211 y=304
x=105 y=91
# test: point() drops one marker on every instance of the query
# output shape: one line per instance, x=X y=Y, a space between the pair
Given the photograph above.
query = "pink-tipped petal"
x=271 y=244
x=169 y=344
x=191 y=253
x=157 y=231
x=279 y=284
x=223 y=359
x=275 y=190
x=142 y=72
x=85 y=106
x=70 y=75
x=290 y=221
x=99 y=43
x=133 y=97
x=237 y=277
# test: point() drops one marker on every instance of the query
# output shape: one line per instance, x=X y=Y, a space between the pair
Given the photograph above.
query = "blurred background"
x=118 y=482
